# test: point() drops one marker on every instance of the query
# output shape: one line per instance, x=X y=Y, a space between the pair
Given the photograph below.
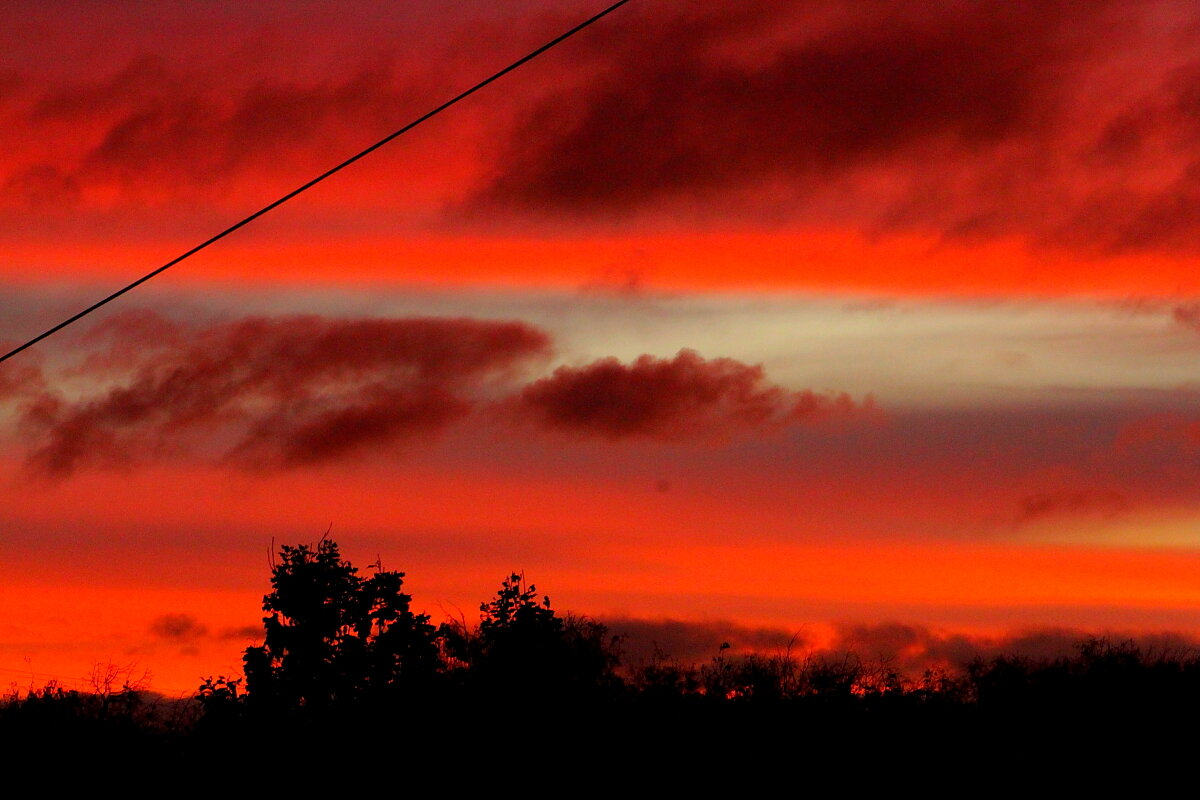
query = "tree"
x=514 y=626
x=333 y=638
x=523 y=649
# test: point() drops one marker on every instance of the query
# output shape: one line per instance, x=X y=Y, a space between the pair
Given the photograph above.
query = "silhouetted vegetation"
x=52 y=716
x=334 y=638
x=344 y=657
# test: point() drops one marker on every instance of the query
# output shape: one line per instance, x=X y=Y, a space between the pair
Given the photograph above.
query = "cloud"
x=254 y=632
x=1060 y=124
x=267 y=392
x=695 y=641
x=974 y=121
x=276 y=391
x=20 y=379
x=1040 y=505
x=1174 y=430
x=164 y=133
x=684 y=397
x=42 y=185
x=178 y=628
x=688 y=106
x=911 y=649
x=1152 y=142
x=155 y=126
x=1187 y=315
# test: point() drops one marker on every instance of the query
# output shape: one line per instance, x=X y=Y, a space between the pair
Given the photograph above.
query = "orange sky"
x=937 y=271
x=839 y=261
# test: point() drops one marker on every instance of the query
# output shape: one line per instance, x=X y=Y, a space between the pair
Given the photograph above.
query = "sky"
x=868 y=325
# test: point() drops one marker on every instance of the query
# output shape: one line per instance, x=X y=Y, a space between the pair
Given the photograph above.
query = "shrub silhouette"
x=1104 y=679
x=333 y=638
x=57 y=716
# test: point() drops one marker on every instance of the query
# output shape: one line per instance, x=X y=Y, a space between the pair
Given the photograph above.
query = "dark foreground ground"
x=1107 y=715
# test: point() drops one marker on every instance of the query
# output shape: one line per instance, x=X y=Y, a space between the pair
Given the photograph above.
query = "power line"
x=247 y=220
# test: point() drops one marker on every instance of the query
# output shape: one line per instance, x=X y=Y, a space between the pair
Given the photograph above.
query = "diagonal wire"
x=247 y=220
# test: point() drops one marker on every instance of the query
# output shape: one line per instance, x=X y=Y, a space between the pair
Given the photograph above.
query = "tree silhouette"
x=523 y=650
x=515 y=626
x=333 y=638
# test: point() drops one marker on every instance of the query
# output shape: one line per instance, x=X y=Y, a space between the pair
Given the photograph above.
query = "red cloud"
x=276 y=390
x=969 y=120
x=686 y=396
x=683 y=106
x=1061 y=124
x=1187 y=315
x=156 y=126
x=305 y=389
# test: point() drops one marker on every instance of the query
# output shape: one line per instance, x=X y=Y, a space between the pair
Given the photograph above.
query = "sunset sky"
x=876 y=323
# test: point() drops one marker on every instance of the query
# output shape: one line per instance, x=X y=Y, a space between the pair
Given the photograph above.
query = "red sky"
x=835 y=317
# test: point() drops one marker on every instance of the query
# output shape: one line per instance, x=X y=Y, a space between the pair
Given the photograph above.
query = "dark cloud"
x=284 y=390
x=178 y=628
x=254 y=632
x=1040 y=505
x=696 y=641
x=914 y=648
x=911 y=649
x=971 y=120
x=690 y=105
x=687 y=396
